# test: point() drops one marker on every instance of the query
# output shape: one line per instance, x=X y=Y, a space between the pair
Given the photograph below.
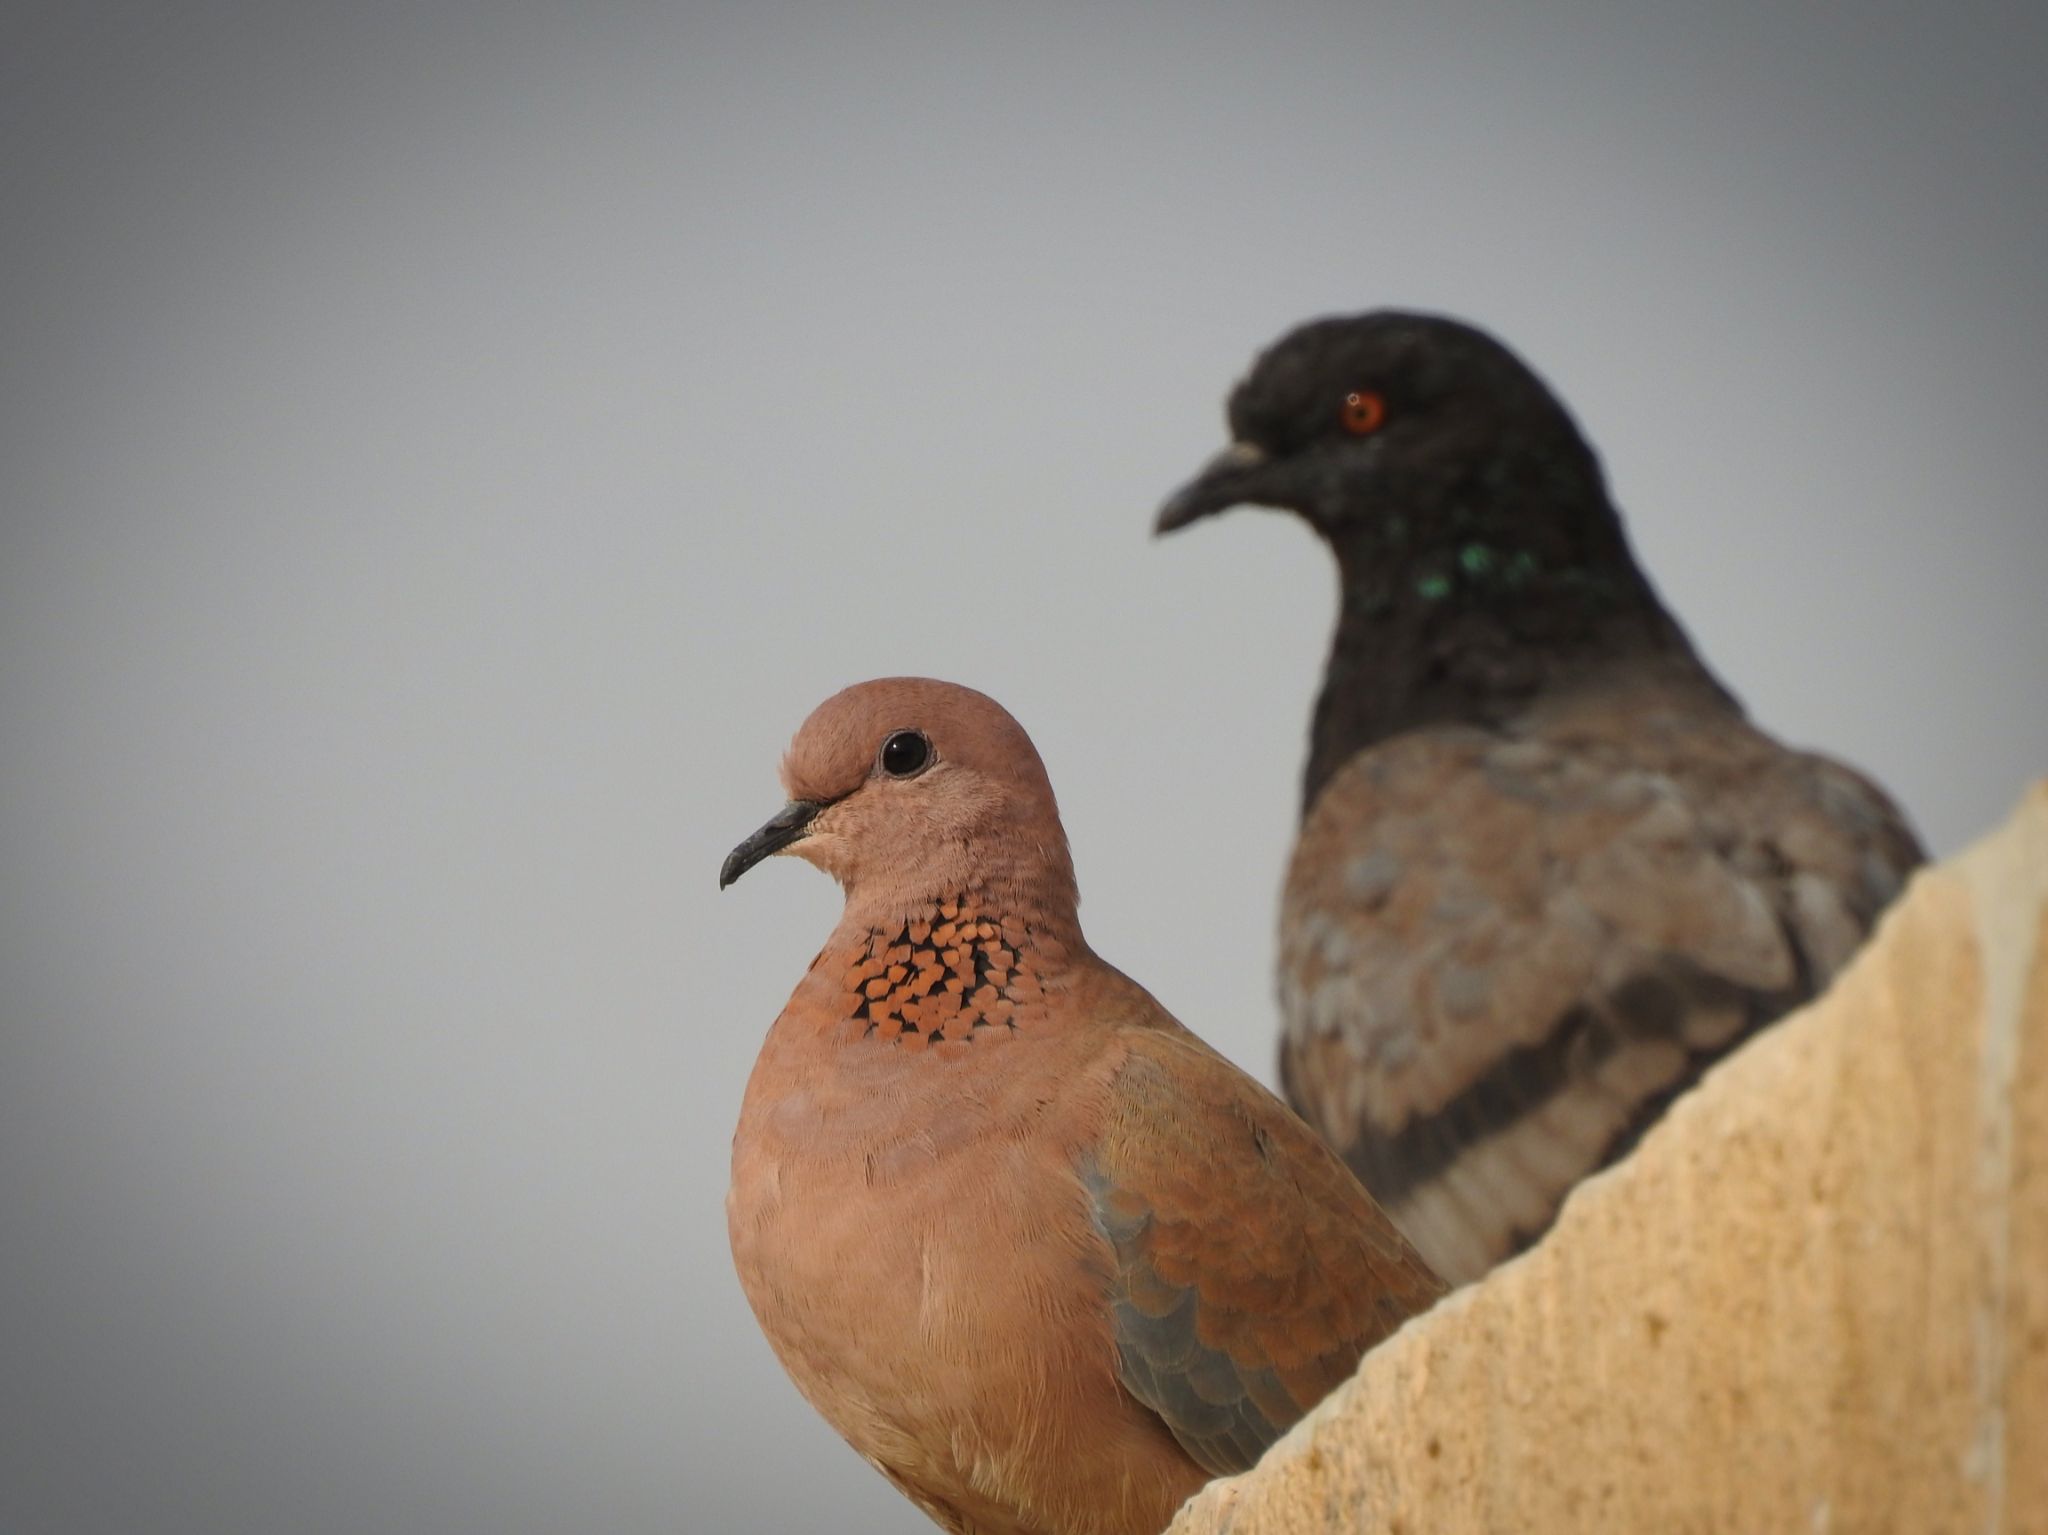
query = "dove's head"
x=907 y=790
x=1412 y=440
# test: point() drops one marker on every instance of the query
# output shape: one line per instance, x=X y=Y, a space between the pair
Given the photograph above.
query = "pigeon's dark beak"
x=787 y=825
x=1227 y=480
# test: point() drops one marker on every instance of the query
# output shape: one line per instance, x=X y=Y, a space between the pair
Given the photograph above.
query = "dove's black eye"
x=905 y=753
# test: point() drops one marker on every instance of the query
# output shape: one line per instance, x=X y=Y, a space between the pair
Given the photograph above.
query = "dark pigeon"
x=1547 y=871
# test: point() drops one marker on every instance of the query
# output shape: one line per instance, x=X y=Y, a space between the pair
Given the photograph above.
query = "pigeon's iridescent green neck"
x=1485 y=570
x=1466 y=618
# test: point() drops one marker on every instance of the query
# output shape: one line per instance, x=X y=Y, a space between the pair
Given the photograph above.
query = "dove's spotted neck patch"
x=954 y=973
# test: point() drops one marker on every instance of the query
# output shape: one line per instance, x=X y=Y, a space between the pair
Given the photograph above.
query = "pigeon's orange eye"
x=1363 y=412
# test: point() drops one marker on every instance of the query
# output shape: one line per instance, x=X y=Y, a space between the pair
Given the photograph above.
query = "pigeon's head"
x=906 y=789
x=1395 y=426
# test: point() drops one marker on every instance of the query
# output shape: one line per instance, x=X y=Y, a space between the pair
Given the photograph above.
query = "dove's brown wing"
x=1251 y=1269
x=1502 y=954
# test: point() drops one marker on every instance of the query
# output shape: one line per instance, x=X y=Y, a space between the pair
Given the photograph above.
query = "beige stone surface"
x=1815 y=1299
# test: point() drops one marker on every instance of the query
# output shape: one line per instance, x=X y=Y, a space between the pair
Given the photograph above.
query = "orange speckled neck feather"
x=960 y=972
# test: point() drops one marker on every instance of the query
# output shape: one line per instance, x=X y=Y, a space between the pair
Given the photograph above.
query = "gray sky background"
x=445 y=451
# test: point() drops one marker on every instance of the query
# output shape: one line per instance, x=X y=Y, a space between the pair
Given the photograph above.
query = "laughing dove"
x=1043 y=1257
x=1547 y=872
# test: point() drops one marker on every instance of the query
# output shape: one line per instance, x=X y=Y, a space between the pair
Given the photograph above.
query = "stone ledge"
x=1814 y=1299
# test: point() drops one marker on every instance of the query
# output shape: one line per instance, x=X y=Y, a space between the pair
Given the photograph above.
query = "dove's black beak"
x=1231 y=478
x=787 y=825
